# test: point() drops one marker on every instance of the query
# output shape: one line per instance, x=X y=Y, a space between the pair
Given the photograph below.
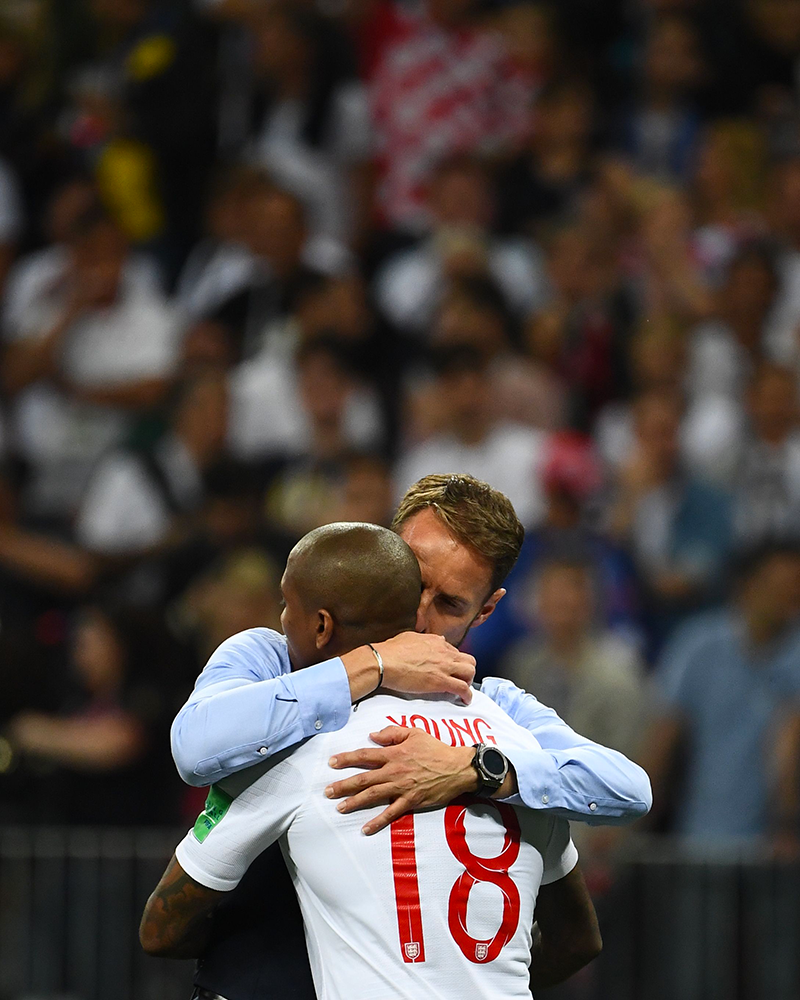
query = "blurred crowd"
x=265 y=263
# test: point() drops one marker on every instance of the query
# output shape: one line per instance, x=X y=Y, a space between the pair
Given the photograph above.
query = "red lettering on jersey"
x=429 y=725
x=406 y=889
x=394 y=722
x=466 y=729
x=452 y=734
x=483 y=739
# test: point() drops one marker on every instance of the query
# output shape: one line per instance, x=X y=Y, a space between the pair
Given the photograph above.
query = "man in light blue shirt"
x=730 y=684
x=247 y=705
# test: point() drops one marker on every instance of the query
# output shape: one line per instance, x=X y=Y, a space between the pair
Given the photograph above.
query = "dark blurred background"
x=265 y=263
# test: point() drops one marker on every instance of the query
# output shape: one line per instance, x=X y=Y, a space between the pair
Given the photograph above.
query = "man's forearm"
x=566 y=935
x=177 y=919
x=576 y=778
x=235 y=723
x=589 y=783
x=553 y=963
x=236 y=718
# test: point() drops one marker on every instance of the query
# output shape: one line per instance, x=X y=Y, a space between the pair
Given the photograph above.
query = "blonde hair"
x=475 y=514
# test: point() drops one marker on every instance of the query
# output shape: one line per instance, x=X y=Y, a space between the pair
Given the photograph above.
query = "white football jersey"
x=440 y=905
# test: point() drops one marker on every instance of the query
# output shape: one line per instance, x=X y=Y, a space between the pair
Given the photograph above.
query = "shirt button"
x=545 y=799
x=318 y=724
x=263 y=751
x=593 y=806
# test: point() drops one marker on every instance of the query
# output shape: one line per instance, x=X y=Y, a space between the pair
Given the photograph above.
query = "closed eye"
x=453 y=604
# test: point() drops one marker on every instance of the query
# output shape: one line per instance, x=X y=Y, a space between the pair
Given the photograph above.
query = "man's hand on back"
x=411 y=770
x=414 y=663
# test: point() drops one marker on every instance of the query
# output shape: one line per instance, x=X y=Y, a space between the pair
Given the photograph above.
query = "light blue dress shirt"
x=731 y=698
x=248 y=704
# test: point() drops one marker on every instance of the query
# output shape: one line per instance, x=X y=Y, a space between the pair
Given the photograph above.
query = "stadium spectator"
x=444 y=86
x=584 y=324
x=245 y=297
x=590 y=676
x=162 y=70
x=366 y=491
x=314 y=133
x=11 y=218
x=523 y=390
x=103 y=750
x=730 y=688
x=220 y=264
x=307 y=404
x=89 y=345
x=661 y=129
x=545 y=182
x=459 y=243
x=244 y=587
x=729 y=188
x=134 y=499
x=230 y=519
x=472 y=441
x=677 y=526
x=781 y=334
x=767 y=476
x=656 y=358
x=724 y=351
x=333 y=418
x=123 y=167
x=572 y=483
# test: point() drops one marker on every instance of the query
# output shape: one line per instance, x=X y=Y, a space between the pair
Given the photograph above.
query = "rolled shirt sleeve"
x=247 y=705
x=570 y=775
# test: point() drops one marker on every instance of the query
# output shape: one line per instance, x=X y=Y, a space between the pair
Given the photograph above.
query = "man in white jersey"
x=440 y=904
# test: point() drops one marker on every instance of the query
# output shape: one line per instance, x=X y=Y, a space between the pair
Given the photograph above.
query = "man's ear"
x=324 y=631
x=488 y=607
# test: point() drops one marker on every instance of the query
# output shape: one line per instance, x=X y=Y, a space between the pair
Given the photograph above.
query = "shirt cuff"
x=323 y=696
x=538 y=784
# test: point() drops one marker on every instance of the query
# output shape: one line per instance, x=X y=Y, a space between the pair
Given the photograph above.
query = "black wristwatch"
x=492 y=767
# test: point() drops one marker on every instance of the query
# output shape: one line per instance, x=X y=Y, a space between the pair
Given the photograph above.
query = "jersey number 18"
x=494 y=870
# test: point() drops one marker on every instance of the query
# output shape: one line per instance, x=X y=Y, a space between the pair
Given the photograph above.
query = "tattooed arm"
x=177 y=919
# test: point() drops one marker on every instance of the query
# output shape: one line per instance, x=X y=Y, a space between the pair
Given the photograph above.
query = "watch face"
x=493 y=761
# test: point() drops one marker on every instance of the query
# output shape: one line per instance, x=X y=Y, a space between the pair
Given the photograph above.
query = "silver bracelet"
x=379 y=658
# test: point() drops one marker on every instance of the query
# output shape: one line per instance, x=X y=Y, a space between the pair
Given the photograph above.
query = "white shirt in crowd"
x=267 y=417
x=215 y=272
x=318 y=175
x=124 y=508
x=410 y=285
x=509 y=458
x=710 y=438
x=135 y=339
x=781 y=337
x=440 y=905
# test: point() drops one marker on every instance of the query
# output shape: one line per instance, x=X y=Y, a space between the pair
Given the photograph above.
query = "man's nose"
x=422 y=614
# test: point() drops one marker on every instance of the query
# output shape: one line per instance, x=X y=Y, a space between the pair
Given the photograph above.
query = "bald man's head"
x=345 y=585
